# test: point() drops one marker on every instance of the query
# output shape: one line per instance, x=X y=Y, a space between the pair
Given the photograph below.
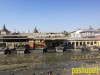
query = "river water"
x=41 y=63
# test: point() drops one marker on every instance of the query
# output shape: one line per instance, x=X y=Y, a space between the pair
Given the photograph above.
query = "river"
x=41 y=63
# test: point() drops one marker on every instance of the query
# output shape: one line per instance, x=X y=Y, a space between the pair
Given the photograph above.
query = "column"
x=75 y=45
x=78 y=43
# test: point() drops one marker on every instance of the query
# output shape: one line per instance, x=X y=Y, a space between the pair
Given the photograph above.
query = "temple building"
x=4 y=31
x=89 y=33
x=85 y=33
x=35 y=30
x=76 y=34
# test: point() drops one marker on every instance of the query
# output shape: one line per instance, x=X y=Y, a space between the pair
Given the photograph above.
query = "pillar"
x=34 y=43
x=79 y=43
x=75 y=45
x=6 y=44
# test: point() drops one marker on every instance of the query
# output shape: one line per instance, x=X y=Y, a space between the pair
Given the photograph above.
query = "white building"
x=90 y=33
x=85 y=33
x=4 y=31
x=76 y=34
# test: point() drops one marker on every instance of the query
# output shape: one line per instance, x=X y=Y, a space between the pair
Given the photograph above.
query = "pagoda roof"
x=5 y=29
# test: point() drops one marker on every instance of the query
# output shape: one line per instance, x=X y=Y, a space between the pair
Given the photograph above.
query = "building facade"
x=85 y=33
x=4 y=31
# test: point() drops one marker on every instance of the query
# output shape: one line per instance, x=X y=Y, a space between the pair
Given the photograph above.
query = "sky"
x=49 y=15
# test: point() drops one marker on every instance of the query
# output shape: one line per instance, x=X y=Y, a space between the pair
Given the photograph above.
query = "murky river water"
x=40 y=63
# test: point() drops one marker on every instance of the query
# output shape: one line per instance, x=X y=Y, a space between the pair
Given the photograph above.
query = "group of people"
x=49 y=73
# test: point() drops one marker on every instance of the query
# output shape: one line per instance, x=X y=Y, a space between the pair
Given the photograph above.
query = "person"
x=50 y=73
x=45 y=49
x=7 y=51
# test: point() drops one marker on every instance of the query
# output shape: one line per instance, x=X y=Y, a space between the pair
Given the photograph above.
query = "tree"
x=65 y=33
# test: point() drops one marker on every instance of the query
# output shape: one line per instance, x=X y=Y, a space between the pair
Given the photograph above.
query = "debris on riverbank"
x=13 y=67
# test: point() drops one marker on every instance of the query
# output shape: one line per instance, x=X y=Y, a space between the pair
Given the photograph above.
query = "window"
x=73 y=43
x=80 y=43
x=87 y=42
x=95 y=42
x=83 y=42
x=91 y=43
